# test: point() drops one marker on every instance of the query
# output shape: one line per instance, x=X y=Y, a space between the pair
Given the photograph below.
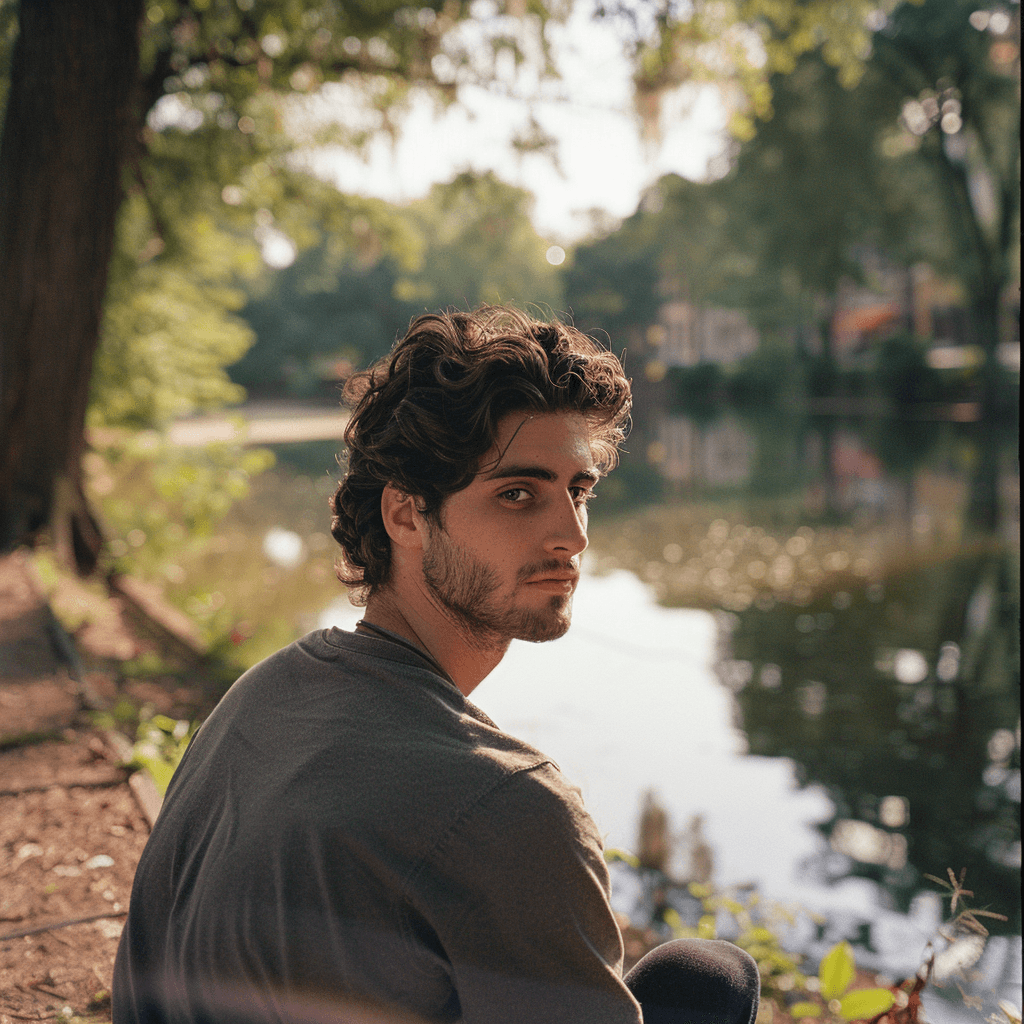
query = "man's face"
x=504 y=562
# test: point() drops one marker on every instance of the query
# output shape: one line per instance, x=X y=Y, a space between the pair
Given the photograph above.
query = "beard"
x=468 y=591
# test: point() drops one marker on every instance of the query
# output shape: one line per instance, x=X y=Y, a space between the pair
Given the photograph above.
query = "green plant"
x=757 y=926
x=159 y=500
x=758 y=923
x=123 y=715
x=160 y=746
x=836 y=974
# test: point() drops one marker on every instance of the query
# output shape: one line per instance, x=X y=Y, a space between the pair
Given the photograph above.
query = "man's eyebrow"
x=590 y=476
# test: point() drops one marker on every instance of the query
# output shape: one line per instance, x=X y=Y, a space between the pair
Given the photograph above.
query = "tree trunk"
x=70 y=127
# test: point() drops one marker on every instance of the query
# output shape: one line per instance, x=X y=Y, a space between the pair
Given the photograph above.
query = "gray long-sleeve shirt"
x=349 y=838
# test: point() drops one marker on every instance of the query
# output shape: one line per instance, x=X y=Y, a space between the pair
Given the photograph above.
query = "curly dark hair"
x=425 y=415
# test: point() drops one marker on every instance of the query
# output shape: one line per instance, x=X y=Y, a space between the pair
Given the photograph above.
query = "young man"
x=348 y=837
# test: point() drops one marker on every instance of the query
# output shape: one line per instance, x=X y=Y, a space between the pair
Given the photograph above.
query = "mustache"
x=548 y=565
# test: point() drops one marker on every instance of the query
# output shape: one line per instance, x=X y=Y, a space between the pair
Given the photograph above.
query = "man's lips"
x=558 y=582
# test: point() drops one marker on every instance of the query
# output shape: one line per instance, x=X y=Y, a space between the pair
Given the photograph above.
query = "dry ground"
x=71 y=827
x=71 y=834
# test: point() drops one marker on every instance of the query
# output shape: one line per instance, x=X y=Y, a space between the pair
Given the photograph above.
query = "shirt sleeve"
x=517 y=893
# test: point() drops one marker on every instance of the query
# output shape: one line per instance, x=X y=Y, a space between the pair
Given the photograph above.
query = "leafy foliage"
x=334 y=307
x=836 y=974
x=342 y=303
x=169 y=327
x=955 y=70
x=611 y=283
x=158 y=500
x=480 y=247
x=160 y=745
x=742 y=44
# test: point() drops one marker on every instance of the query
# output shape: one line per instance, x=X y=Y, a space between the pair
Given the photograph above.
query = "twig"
x=48 y=991
x=80 y=784
x=60 y=924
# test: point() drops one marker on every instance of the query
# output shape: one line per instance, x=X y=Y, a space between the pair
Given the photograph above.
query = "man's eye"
x=582 y=495
x=516 y=494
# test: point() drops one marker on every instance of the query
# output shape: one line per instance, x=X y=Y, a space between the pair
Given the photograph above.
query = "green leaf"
x=798 y=1010
x=160 y=771
x=706 y=927
x=673 y=920
x=163 y=723
x=612 y=855
x=865 y=1003
x=837 y=971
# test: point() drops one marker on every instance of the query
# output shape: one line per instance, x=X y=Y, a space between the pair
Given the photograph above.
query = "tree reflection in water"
x=866 y=574
x=902 y=700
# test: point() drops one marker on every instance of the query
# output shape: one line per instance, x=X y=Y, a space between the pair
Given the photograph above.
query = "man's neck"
x=429 y=629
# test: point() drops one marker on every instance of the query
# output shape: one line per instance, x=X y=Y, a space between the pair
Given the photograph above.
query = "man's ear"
x=402 y=519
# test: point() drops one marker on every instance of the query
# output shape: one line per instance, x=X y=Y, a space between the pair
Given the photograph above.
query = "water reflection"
x=715 y=454
x=867 y=582
x=925 y=480
x=904 y=705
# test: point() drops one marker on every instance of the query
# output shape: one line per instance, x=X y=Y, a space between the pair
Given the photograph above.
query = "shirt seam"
x=508 y=775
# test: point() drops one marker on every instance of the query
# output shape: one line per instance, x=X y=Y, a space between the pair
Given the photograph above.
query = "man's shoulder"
x=366 y=704
x=539 y=798
x=330 y=664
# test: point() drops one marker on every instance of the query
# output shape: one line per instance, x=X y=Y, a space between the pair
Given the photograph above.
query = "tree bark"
x=70 y=126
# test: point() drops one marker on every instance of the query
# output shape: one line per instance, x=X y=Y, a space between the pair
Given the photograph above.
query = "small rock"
x=101 y=860
x=109 y=929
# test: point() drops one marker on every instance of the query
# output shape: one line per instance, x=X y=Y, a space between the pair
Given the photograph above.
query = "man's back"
x=346 y=826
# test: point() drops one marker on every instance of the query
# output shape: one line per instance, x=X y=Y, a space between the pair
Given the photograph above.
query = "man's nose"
x=568 y=531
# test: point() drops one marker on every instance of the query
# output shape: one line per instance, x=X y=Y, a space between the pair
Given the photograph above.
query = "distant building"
x=883 y=306
x=914 y=301
x=689 y=334
x=717 y=454
x=890 y=300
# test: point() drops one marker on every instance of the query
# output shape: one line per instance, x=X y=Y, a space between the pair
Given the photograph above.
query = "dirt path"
x=71 y=833
x=256 y=423
x=71 y=823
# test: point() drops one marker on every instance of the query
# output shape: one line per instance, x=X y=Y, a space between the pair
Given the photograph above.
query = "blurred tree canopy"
x=742 y=45
x=480 y=247
x=955 y=65
x=915 y=157
x=338 y=306
x=611 y=283
x=774 y=235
